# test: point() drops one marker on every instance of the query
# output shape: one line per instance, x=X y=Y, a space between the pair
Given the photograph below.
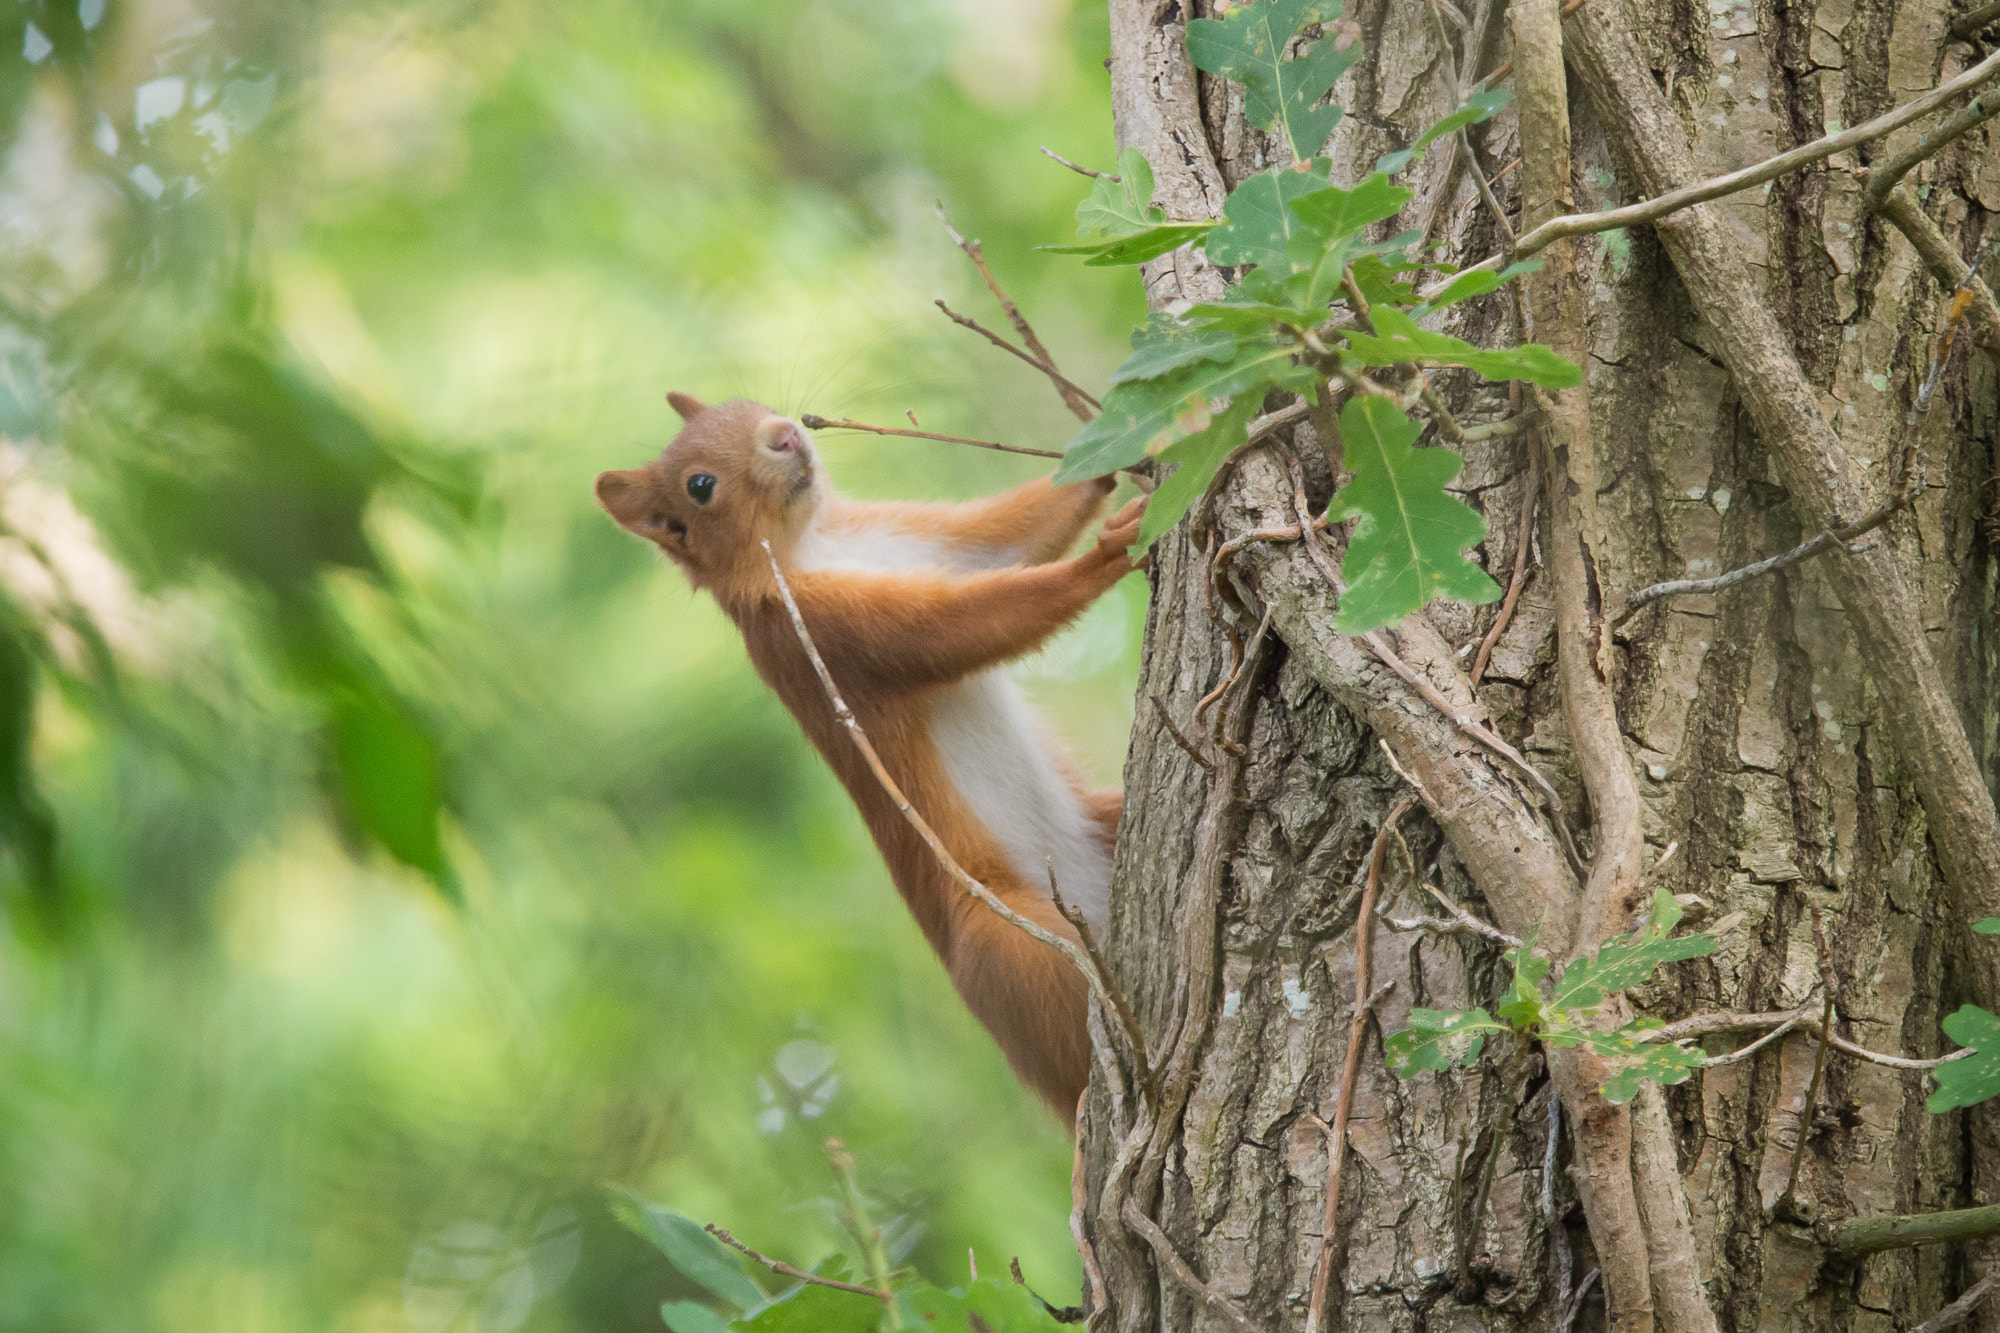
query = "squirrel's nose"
x=787 y=439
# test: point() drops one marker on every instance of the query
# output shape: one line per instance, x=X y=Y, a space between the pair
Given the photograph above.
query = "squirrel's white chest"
x=993 y=749
x=988 y=737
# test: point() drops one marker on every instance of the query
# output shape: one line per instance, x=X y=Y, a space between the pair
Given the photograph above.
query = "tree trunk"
x=1753 y=728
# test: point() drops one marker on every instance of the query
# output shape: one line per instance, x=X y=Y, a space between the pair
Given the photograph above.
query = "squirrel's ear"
x=623 y=495
x=686 y=404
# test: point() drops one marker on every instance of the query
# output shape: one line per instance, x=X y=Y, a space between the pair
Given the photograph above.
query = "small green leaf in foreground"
x=1197 y=459
x=699 y=1256
x=1248 y=45
x=1477 y=108
x=1409 y=545
x=1165 y=344
x=1398 y=341
x=1120 y=207
x=1438 y=1039
x=1142 y=417
x=1976 y=1078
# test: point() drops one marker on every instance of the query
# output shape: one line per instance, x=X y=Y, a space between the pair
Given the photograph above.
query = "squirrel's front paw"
x=1121 y=530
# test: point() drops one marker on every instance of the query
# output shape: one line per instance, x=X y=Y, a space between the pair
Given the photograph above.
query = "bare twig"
x=1967 y=118
x=1523 y=541
x=783 y=1269
x=1357 y=1029
x=812 y=421
x=1568 y=1320
x=1405 y=774
x=1163 y=1249
x=1491 y=740
x=1100 y=984
x=1558 y=1233
x=1079 y=1199
x=1071 y=392
x=1081 y=171
x=1979 y=19
x=1961 y=1309
x=1121 y=1007
x=1494 y=430
x=1080 y=403
x=1744 y=1053
x=1582 y=224
x=1167 y=720
x=1903 y=491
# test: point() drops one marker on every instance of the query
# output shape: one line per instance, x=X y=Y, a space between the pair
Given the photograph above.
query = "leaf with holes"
x=1976 y=1078
x=1409 y=544
x=1438 y=1039
x=1626 y=961
x=1398 y=341
x=1197 y=459
x=1477 y=108
x=1142 y=417
x=1248 y=45
x=1658 y=1062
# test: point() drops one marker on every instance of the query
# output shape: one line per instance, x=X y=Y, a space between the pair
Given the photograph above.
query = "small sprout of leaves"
x=1437 y=1040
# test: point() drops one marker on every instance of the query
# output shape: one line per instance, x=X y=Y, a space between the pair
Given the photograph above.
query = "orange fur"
x=979 y=584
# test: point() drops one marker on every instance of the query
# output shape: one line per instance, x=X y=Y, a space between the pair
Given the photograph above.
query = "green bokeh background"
x=395 y=852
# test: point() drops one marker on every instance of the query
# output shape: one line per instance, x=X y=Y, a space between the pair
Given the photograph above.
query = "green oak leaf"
x=1164 y=343
x=1409 y=545
x=1976 y=1078
x=1136 y=248
x=1337 y=213
x=1143 y=417
x=1259 y=223
x=1002 y=1307
x=1248 y=45
x=1660 y=1062
x=1438 y=1039
x=1397 y=341
x=1475 y=282
x=1477 y=108
x=1628 y=960
x=1122 y=207
x=699 y=1256
x=808 y=1308
x=1988 y=926
x=687 y=1317
x=1197 y=458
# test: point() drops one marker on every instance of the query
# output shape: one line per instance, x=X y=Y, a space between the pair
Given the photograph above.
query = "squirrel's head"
x=737 y=474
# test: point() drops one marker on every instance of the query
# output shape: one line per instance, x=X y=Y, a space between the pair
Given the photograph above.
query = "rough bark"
x=1760 y=728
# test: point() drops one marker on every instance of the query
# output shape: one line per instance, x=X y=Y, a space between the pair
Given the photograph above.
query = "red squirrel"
x=916 y=609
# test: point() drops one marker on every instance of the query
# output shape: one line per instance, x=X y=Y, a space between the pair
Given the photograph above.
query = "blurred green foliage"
x=395 y=852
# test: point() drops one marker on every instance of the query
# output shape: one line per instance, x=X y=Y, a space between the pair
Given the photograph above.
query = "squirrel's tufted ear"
x=686 y=404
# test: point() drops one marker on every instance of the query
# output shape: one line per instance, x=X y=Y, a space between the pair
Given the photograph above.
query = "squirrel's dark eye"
x=702 y=487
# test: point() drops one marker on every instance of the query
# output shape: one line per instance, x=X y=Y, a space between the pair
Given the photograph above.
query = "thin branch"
x=1407 y=776
x=1948 y=268
x=1967 y=118
x=1568 y=1320
x=1490 y=739
x=1978 y=20
x=1578 y=224
x=1100 y=985
x=1494 y=430
x=1871 y=1235
x=1908 y=482
x=811 y=421
x=1163 y=1249
x=1167 y=720
x=1080 y=403
x=1070 y=392
x=1523 y=541
x=1357 y=1029
x=1081 y=171
x=1584 y=224
x=1961 y=1309
x=783 y=1269
x=1079 y=1199
x=1121 y=1007
x=1744 y=1053
x=1551 y=1219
